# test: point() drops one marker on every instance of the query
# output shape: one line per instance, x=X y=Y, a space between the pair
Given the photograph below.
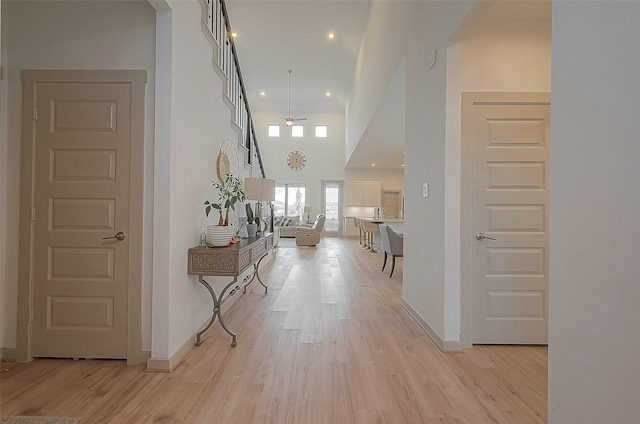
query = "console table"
x=229 y=261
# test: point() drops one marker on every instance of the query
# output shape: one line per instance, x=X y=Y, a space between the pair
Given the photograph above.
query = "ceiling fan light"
x=289 y=122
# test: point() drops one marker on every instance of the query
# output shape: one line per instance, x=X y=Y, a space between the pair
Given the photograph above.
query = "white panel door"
x=510 y=210
x=81 y=196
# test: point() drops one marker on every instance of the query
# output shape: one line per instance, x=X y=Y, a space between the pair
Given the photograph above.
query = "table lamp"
x=260 y=190
x=307 y=214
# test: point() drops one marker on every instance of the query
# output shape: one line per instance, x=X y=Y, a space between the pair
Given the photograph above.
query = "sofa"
x=286 y=225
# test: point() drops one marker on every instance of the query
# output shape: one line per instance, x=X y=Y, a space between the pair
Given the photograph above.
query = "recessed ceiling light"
x=373 y=164
x=328 y=94
x=331 y=35
x=234 y=34
x=403 y=165
x=262 y=93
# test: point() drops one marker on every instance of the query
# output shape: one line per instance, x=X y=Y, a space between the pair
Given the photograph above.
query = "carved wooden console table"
x=230 y=261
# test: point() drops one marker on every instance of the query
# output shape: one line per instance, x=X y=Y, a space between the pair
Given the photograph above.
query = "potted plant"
x=230 y=192
x=253 y=222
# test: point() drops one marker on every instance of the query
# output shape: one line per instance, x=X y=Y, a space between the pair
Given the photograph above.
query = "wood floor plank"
x=330 y=343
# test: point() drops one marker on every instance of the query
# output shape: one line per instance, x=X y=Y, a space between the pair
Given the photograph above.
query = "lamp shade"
x=260 y=189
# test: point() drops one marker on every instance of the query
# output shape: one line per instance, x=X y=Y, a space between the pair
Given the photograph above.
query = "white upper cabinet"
x=363 y=193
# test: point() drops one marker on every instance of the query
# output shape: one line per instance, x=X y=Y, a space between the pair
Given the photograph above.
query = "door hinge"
x=35 y=113
x=30 y=314
x=33 y=214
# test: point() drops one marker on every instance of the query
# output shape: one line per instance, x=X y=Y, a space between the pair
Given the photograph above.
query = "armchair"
x=310 y=236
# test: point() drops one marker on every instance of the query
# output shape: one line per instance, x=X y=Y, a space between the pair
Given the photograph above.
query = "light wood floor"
x=330 y=343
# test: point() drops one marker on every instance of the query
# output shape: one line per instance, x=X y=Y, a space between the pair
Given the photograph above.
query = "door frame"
x=323 y=201
x=469 y=99
x=30 y=78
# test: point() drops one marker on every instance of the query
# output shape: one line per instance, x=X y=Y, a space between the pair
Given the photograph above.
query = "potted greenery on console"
x=253 y=222
x=230 y=192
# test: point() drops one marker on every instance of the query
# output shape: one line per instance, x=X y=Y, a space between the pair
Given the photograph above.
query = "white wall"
x=397 y=31
x=324 y=155
x=179 y=158
x=198 y=122
x=424 y=287
x=500 y=56
x=391 y=179
x=507 y=56
x=380 y=54
x=494 y=56
x=594 y=375
x=324 y=158
x=67 y=35
x=3 y=178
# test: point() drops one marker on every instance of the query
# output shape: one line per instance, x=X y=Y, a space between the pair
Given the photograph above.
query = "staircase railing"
x=217 y=28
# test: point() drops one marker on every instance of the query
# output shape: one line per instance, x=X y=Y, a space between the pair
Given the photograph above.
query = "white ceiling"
x=275 y=36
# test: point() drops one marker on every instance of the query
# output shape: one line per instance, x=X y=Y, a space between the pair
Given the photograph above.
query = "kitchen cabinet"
x=363 y=193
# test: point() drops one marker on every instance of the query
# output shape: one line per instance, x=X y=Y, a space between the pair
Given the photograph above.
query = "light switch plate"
x=425 y=190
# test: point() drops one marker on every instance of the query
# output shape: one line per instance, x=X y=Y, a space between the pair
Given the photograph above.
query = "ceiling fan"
x=289 y=120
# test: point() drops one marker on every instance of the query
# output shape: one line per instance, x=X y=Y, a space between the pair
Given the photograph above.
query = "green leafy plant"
x=250 y=218
x=230 y=192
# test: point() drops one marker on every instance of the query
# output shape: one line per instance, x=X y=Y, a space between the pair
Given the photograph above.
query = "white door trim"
x=469 y=99
x=323 y=203
x=30 y=78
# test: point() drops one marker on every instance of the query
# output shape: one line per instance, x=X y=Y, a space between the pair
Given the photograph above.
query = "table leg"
x=217 y=311
x=256 y=274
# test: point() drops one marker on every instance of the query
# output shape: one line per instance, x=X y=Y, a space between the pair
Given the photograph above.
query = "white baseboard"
x=168 y=365
x=444 y=345
x=8 y=353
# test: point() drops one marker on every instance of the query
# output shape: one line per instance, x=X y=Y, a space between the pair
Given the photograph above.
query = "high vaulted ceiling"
x=275 y=36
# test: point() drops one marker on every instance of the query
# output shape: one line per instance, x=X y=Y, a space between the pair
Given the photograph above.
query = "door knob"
x=481 y=236
x=118 y=236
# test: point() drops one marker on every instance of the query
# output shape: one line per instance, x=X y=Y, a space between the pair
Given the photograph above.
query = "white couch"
x=286 y=225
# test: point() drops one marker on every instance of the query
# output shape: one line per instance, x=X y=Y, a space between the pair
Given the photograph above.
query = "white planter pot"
x=219 y=236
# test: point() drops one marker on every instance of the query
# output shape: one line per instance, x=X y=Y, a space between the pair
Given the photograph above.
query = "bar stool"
x=371 y=228
x=365 y=229
x=363 y=232
x=356 y=222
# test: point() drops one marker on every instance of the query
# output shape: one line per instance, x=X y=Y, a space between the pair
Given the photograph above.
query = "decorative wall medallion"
x=296 y=160
x=227 y=161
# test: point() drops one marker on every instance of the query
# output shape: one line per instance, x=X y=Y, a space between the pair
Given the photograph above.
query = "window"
x=290 y=199
x=297 y=131
x=321 y=131
x=273 y=130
